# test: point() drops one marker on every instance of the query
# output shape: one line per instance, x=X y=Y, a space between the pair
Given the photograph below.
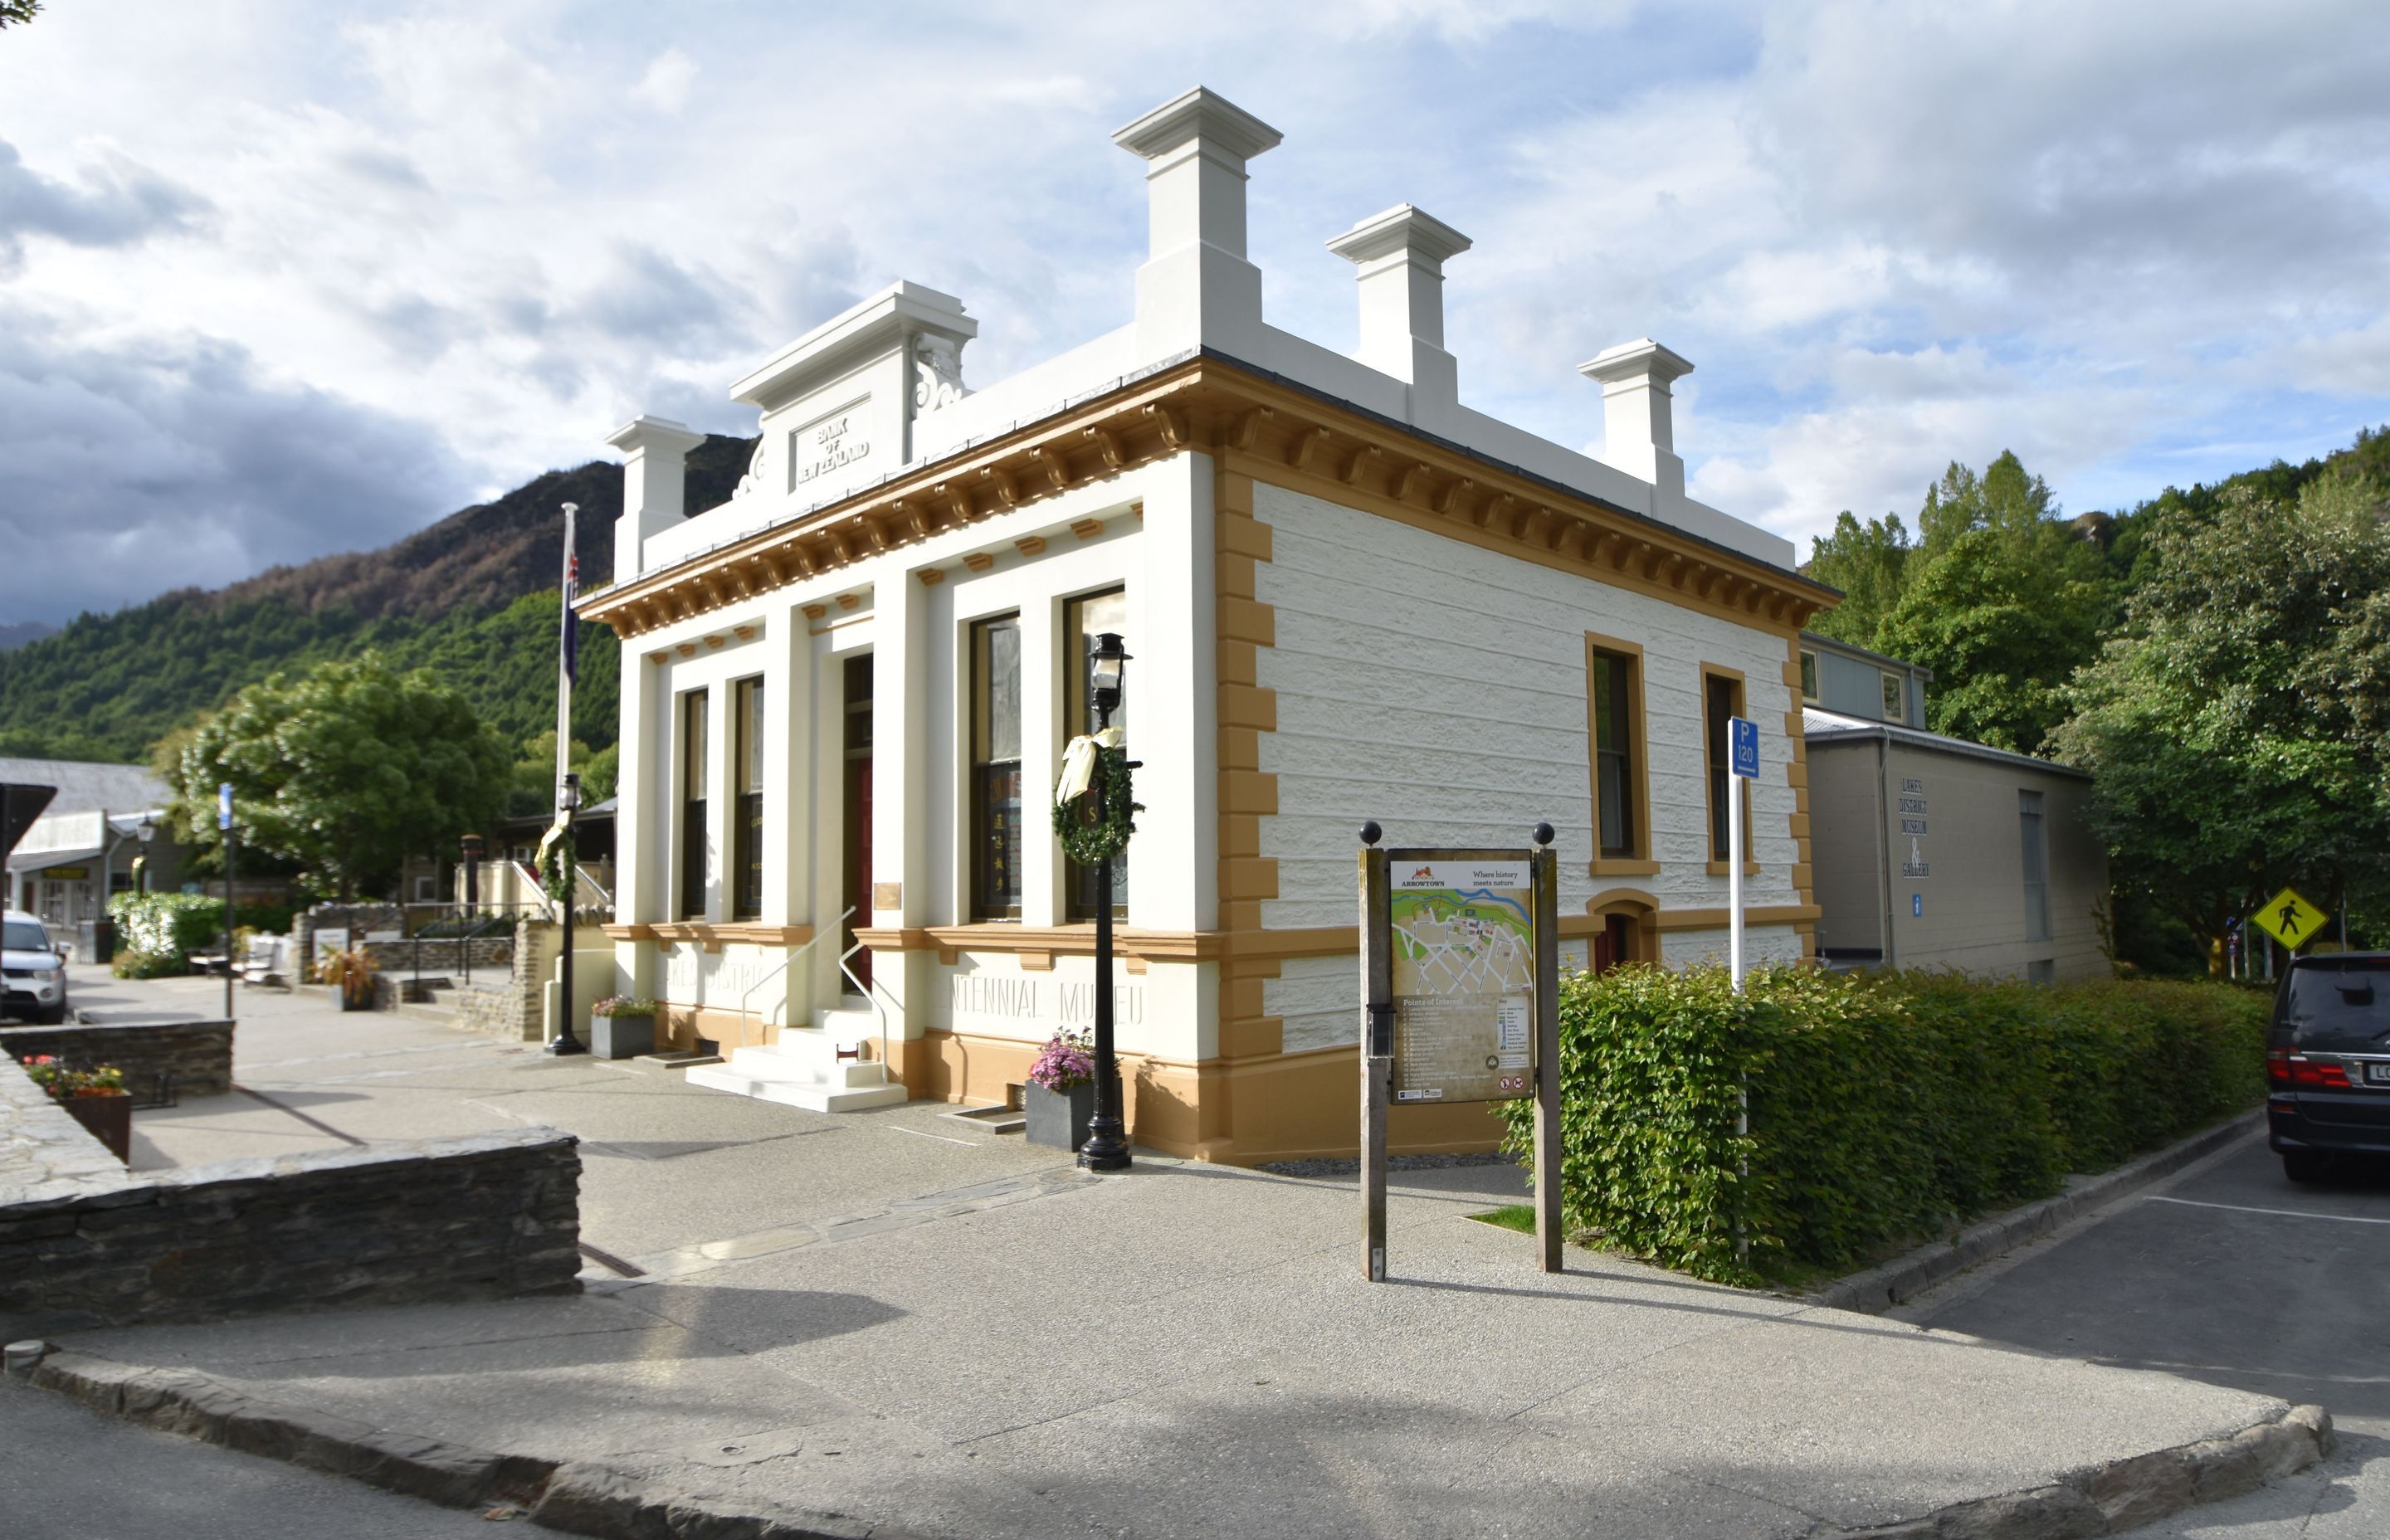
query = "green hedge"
x=165 y=925
x=1884 y=1109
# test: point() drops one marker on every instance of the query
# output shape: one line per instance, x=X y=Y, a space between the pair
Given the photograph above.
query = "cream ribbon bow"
x=1079 y=764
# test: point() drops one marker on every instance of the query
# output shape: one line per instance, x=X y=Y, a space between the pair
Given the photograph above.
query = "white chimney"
x=1401 y=254
x=1196 y=287
x=1637 y=436
x=655 y=485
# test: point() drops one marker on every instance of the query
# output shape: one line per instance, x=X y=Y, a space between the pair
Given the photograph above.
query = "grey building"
x=1933 y=852
x=83 y=845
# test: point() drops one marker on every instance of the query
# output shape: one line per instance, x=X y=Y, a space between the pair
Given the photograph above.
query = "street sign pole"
x=1743 y=765
x=224 y=823
x=1377 y=1050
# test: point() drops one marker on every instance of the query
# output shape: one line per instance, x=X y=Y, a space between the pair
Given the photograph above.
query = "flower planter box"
x=1058 y=1119
x=621 y=1036
x=107 y=1119
x=355 y=1002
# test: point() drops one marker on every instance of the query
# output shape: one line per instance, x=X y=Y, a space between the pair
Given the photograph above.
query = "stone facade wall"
x=488 y=1216
x=503 y=1010
x=356 y=918
x=443 y=956
x=198 y=1053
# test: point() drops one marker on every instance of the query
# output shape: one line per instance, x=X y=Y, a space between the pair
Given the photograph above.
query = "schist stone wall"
x=85 y=1242
x=487 y=1216
x=198 y=1053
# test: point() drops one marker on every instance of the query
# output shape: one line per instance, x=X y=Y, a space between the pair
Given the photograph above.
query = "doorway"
x=1614 y=944
x=855 y=881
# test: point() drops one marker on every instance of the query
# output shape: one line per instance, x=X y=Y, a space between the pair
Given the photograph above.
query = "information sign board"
x=1742 y=742
x=1463 y=930
x=1460 y=1003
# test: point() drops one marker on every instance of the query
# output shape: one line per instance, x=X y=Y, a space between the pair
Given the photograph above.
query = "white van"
x=36 y=971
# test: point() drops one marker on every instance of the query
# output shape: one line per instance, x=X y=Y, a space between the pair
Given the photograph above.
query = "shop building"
x=1347 y=596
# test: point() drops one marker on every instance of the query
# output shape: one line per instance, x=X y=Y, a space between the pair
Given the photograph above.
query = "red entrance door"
x=855 y=881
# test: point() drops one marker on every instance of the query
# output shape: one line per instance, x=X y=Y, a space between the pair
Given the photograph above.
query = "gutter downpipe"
x=1883 y=840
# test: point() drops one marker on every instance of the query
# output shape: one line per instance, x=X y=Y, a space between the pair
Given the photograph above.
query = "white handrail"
x=870 y=991
x=744 y=1012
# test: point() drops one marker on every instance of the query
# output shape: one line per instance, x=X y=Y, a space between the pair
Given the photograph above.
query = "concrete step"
x=850 y=1023
x=428 y=1010
x=767 y=1077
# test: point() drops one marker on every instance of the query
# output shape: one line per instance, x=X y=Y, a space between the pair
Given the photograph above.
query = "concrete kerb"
x=595 y=1499
x=1880 y=1288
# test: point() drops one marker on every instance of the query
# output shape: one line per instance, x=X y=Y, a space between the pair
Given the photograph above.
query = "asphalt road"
x=68 y=1474
x=2228 y=1273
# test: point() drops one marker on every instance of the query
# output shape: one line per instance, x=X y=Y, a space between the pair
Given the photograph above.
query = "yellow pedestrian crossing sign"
x=2290 y=919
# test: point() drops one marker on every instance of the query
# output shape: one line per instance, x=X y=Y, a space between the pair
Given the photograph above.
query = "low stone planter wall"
x=44 y=1150
x=198 y=1053
x=487 y=1216
x=502 y=1008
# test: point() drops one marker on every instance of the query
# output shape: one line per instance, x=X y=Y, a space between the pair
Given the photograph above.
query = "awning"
x=42 y=860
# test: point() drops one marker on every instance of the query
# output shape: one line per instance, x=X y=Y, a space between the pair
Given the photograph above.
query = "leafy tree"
x=1869 y=563
x=17 y=12
x=2240 y=726
x=2002 y=632
x=347 y=771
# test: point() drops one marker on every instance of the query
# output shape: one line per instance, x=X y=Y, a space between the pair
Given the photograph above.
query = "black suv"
x=2328 y=1061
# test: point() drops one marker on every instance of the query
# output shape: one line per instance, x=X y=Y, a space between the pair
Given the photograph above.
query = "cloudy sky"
x=279 y=278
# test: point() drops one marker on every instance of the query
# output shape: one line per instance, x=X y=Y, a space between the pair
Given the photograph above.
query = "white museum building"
x=1347 y=597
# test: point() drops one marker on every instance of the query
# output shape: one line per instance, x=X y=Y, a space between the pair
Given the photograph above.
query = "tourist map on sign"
x=1454 y=943
x=1464 y=979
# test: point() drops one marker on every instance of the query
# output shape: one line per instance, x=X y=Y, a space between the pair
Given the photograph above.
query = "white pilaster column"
x=900 y=780
x=788 y=770
x=642 y=792
x=1172 y=683
x=1043 y=681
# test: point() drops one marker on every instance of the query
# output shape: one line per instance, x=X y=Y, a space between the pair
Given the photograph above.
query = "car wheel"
x=2303 y=1165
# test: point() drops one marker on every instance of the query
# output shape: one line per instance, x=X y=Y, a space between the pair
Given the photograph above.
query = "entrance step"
x=433 y=1009
x=803 y=1070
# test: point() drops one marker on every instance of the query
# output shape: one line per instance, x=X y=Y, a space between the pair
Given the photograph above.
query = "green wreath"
x=1093 y=841
x=556 y=870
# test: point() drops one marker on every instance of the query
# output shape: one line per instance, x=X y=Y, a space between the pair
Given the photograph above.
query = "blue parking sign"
x=1742 y=740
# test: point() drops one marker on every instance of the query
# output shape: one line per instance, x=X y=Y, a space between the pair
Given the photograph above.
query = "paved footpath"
x=935 y=1331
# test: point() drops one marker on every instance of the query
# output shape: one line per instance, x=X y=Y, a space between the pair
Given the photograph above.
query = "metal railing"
x=744 y=1012
x=870 y=991
x=463 y=923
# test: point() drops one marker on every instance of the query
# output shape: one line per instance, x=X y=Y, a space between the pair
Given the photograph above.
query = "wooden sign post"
x=1459 y=1002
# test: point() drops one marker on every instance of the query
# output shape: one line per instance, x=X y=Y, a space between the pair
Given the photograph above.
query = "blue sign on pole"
x=1742 y=738
x=224 y=805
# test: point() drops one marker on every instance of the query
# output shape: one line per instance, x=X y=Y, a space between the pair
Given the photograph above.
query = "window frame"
x=1715 y=755
x=2033 y=840
x=1807 y=664
x=694 y=723
x=1078 y=717
x=1892 y=684
x=982 y=773
x=1640 y=863
x=745 y=879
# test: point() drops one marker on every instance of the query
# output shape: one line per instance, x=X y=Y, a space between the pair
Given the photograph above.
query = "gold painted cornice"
x=1259 y=426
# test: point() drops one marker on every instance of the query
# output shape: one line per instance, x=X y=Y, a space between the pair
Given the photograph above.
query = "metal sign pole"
x=1377 y=1049
x=1734 y=878
x=1545 y=867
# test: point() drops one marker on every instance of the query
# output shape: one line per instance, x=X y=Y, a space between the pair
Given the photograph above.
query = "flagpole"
x=567 y=792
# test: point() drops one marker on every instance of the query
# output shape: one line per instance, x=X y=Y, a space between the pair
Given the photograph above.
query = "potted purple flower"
x=1061 y=1096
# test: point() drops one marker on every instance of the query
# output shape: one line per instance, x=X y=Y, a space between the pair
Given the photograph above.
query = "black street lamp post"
x=149 y=831
x=1107 y=1148
x=568 y=802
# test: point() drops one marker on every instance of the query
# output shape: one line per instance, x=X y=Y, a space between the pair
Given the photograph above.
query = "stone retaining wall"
x=505 y=1009
x=487 y=1216
x=44 y=1150
x=198 y=1053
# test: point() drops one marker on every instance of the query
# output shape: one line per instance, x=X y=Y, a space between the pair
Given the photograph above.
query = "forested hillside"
x=473 y=597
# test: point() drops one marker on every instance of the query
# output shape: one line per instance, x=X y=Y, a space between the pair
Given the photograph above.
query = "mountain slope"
x=473 y=597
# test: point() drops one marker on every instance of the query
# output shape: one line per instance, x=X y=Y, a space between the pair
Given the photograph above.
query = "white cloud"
x=2112 y=238
x=665 y=85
